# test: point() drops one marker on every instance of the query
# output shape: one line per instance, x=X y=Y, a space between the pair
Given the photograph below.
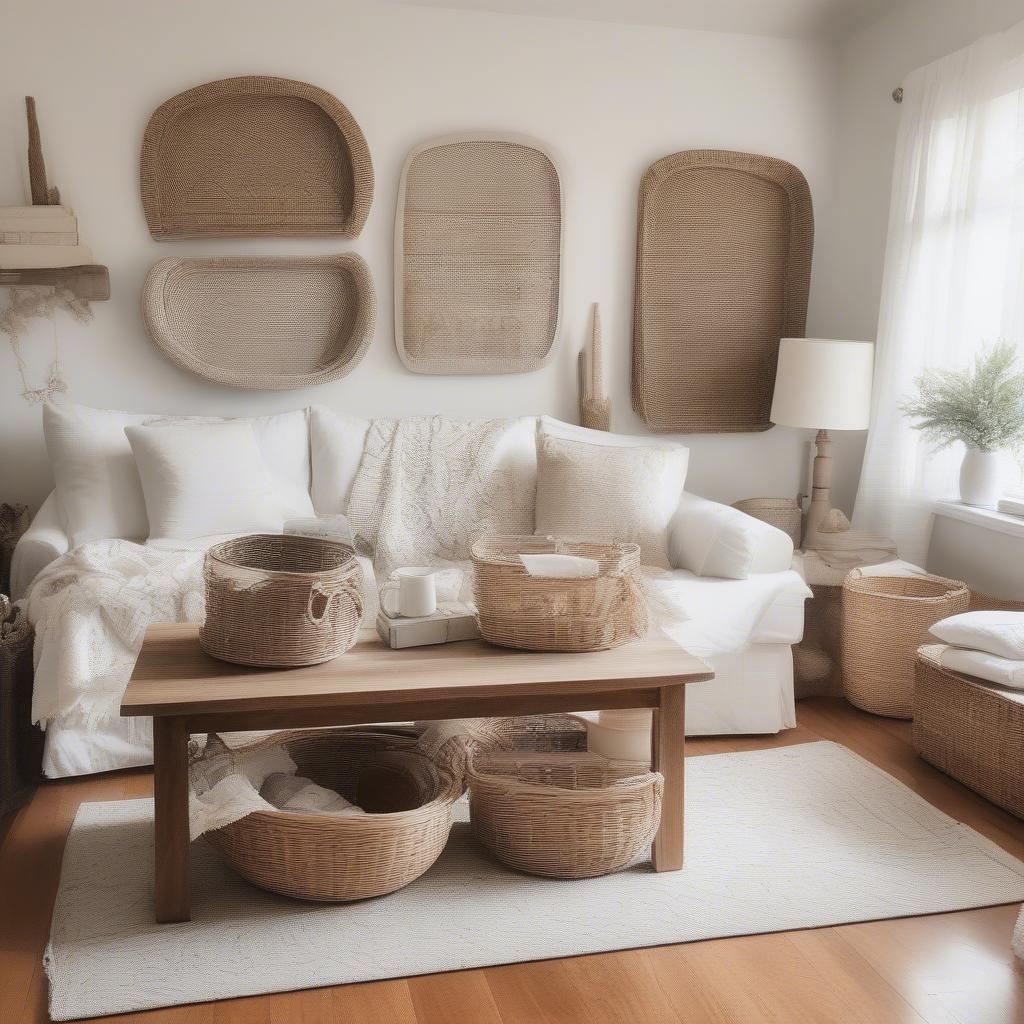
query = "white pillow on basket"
x=211 y=478
x=96 y=479
x=608 y=487
x=996 y=632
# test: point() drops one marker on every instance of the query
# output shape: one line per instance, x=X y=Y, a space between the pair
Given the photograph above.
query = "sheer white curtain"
x=954 y=267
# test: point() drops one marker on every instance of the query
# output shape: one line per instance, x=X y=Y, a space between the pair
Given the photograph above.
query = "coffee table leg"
x=668 y=735
x=170 y=800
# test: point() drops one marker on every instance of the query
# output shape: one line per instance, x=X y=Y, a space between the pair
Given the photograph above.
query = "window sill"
x=986 y=518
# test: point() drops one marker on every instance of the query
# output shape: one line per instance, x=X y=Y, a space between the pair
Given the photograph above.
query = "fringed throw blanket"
x=90 y=609
x=428 y=487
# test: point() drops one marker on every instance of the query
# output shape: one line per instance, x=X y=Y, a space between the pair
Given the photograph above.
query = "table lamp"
x=824 y=385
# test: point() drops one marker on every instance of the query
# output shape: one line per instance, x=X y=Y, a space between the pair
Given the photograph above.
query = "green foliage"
x=982 y=406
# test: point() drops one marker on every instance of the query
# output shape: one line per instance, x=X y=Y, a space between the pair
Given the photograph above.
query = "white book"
x=38 y=218
x=38 y=237
x=1012 y=506
x=42 y=257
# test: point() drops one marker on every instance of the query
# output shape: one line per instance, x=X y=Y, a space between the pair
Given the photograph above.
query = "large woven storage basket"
x=280 y=600
x=971 y=730
x=885 y=620
x=337 y=859
x=564 y=815
x=537 y=613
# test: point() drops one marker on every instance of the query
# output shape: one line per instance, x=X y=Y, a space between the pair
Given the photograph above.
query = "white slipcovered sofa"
x=736 y=600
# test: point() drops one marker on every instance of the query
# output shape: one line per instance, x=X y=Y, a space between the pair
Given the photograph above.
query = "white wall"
x=852 y=229
x=609 y=99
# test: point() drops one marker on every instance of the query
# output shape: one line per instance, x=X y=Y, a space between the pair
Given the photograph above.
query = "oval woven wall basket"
x=723 y=269
x=252 y=156
x=478 y=255
x=262 y=322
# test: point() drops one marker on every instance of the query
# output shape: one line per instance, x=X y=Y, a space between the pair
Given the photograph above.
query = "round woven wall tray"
x=478 y=255
x=253 y=156
x=262 y=322
x=723 y=268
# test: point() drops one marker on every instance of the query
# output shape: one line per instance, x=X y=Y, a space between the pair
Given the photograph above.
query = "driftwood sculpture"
x=595 y=407
x=42 y=193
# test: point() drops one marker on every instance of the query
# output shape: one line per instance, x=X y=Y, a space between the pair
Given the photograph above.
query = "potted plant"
x=982 y=407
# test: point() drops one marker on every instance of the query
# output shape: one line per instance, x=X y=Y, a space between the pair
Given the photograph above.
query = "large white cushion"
x=211 y=478
x=336 y=447
x=998 y=632
x=96 y=479
x=982 y=665
x=604 y=487
x=710 y=539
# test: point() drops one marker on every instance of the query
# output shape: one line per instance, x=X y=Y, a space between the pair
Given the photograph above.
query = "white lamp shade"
x=823 y=384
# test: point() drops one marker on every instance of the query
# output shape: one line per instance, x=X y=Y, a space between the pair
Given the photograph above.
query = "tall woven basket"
x=540 y=613
x=885 y=620
x=566 y=814
x=280 y=600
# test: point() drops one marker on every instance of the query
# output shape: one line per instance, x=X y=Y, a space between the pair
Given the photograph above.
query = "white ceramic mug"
x=414 y=591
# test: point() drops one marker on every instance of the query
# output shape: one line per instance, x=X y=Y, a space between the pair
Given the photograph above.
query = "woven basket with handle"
x=566 y=814
x=335 y=859
x=885 y=620
x=541 y=613
x=280 y=600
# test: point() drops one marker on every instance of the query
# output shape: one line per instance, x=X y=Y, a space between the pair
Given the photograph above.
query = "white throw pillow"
x=606 y=488
x=211 y=478
x=710 y=539
x=996 y=632
x=336 y=445
x=96 y=479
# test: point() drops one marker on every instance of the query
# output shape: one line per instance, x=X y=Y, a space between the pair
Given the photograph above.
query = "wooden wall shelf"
x=90 y=281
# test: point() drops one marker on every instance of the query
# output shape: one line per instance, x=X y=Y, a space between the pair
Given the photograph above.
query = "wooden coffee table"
x=186 y=691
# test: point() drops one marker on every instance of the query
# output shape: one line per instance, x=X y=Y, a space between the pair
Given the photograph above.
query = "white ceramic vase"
x=981 y=478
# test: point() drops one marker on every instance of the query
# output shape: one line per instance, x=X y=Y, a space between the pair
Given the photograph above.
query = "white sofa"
x=744 y=627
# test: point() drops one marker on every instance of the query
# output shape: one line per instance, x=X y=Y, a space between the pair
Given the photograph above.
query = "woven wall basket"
x=265 y=322
x=478 y=250
x=255 y=156
x=723 y=270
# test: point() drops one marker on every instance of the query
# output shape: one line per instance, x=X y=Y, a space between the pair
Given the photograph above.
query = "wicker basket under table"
x=971 y=730
x=885 y=620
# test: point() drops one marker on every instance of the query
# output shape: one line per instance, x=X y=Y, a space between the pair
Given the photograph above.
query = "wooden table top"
x=174 y=676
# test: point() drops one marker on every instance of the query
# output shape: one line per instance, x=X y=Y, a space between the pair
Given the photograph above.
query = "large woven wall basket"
x=478 y=252
x=280 y=600
x=262 y=322
x=723 y=270
x=254 y=156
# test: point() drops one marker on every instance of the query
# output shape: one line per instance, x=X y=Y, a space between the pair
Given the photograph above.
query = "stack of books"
x=1012 y=506
x=40 y=237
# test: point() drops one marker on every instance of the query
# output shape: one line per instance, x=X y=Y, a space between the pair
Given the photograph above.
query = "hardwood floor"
x=945 y=968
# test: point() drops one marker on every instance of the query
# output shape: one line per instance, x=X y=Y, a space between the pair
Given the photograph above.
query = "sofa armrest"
x=710 y=539
x=44 y=541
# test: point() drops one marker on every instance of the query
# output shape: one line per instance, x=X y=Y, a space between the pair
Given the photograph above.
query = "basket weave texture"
x=280 y=600
x=564 y=815
x=538 y=613
x=478 y=250
x=971 y=731
x=885 y=620
x=332 y=859
x=784 y=514
x=266 y=323
x=723 y=270
x=255 y=156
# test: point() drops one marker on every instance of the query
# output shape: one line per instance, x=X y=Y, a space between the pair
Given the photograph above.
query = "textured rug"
x=797 y=837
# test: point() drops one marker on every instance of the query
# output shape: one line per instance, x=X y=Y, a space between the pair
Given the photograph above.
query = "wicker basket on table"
x=336 y=859
x=885 y=620
x=280 y=600
x=541 y=613
x=563 y=815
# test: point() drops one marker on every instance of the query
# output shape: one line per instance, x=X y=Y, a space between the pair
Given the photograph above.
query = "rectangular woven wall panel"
x=723 y=270
x=478 y=247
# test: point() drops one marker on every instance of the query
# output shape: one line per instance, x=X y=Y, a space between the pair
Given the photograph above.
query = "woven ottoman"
x=971 y=730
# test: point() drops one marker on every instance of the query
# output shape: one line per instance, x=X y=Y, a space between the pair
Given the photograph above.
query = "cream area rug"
x=796 y=837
